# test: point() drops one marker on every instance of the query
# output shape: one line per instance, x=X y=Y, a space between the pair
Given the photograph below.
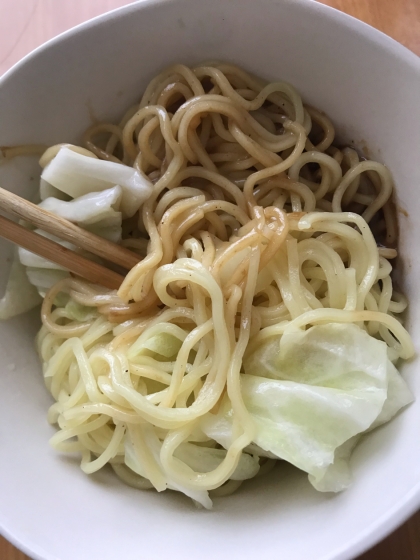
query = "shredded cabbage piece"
x=94 y=211
x=77 y=175
x=20 y=296
x=94 y=194
x=199 y=458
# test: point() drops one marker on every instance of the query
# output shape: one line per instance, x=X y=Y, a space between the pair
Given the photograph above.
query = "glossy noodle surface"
x=261 y=322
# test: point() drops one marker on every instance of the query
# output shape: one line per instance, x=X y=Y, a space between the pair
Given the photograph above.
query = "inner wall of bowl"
x=354 y=75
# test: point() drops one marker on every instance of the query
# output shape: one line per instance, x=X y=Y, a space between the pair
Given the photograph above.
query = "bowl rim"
x=407 y=505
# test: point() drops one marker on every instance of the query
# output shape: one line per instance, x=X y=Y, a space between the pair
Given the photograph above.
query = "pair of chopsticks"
x=67 y=231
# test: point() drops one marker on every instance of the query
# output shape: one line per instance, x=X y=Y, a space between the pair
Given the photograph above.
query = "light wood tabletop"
x=25 y=24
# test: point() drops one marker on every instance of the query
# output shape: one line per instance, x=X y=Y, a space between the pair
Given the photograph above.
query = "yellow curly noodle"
x=257 y=224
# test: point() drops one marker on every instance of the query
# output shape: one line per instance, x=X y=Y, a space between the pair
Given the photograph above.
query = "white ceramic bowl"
x=369 y=85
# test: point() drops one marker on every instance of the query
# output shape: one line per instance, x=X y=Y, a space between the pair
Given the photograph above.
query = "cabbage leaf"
x=311 y=393
x=20 y=296
x=94 y=194
x=77 y=175
x=97 y=212
x=197 y=457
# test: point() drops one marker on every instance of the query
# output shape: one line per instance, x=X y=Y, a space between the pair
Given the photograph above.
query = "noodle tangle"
x=258 y=225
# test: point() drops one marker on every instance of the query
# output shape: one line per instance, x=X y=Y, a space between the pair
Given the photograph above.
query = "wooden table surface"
x=25 y=24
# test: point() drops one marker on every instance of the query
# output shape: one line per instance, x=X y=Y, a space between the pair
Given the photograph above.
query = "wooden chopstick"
x=63 y=229
x=61 y=255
